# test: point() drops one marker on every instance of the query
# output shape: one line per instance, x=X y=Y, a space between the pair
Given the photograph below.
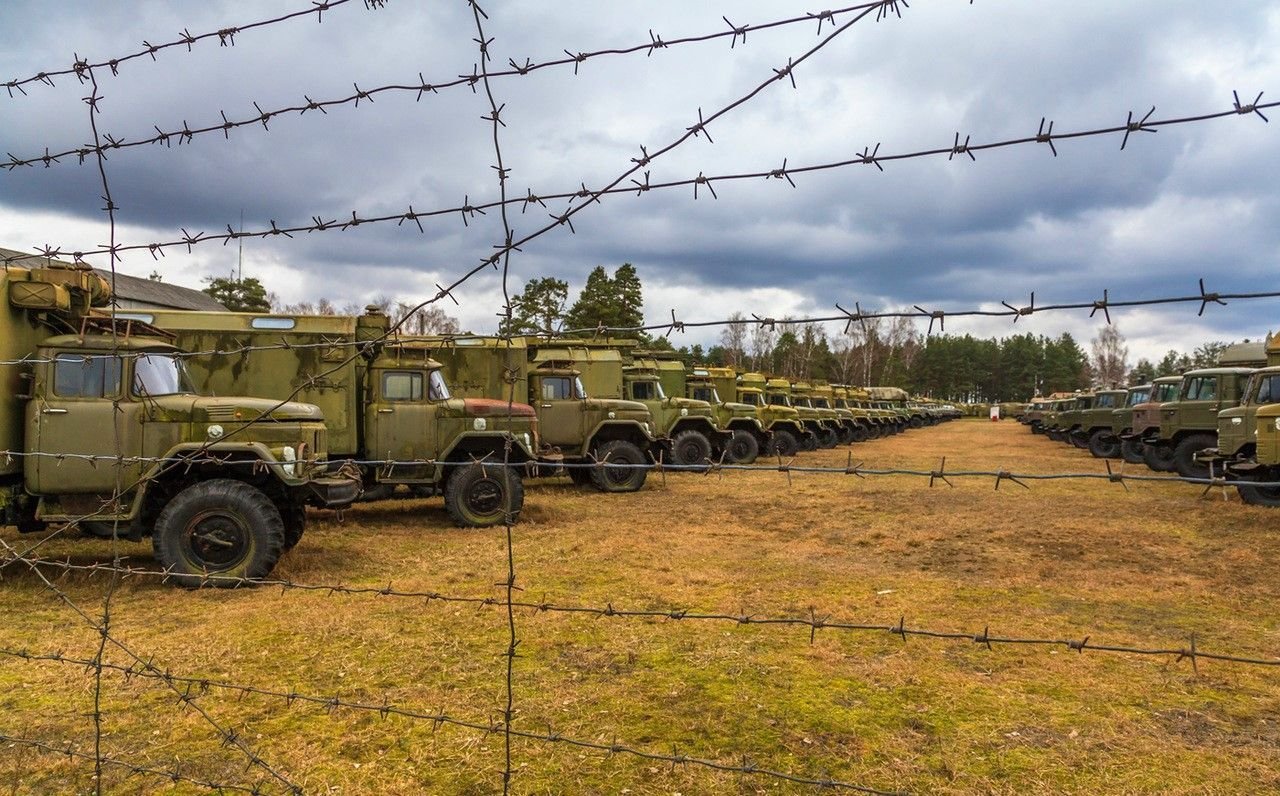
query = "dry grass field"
x=1147 y=567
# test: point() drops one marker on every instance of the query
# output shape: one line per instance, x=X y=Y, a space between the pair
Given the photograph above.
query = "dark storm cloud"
x=932 y=231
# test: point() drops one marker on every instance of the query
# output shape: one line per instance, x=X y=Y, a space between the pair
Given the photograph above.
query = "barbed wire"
x=174 y=775
x=422 y=88
x=813 y=623
x=227 y=737
x=226 y=38
x=1203 y=297
x=468 y=210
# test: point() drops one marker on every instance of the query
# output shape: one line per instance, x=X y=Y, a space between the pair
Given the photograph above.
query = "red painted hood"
x=491 y=407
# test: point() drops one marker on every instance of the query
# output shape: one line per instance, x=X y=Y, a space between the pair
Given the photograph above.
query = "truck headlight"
x=479 y=424
x=684 y=412
x=290 y=457
x=1277 y=424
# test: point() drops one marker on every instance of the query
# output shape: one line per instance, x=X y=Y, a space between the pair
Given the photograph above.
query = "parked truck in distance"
x=101 y=426
x=718 y=386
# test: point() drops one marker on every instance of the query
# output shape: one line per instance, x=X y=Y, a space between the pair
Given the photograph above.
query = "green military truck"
x=777 y=392
x=1033 y=418
x=750 y=436
x=1247 y=429
x=101 y=426
x=388 y=406
x=690 y=424
x=1146 y=422
x=575 y=390
x=864 y=428
x=823 y=396
x=1265 y=466
x=1094 y=429
x=1122 y=422
x=803 y=399
x=1189 y=423
x=780 y=418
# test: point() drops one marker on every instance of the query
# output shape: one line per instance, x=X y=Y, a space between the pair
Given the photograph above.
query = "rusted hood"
x=492 y=407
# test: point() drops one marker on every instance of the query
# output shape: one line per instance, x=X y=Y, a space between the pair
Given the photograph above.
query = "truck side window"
x=401 y=385
x=556 y=389
x=77 y=376
x=642 y=391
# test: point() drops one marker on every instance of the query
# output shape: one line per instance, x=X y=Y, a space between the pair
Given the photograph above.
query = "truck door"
x=402 y=425
x=560 y=414
x=75 y=415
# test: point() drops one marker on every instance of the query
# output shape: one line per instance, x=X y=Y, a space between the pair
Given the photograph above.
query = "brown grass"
x=1065 y=559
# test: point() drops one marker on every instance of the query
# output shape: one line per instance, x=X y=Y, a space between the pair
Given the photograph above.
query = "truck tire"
x=784 y=443
x=861 y=433
x=1104 y=445
x=480 y=496
x=846 y=435
x=1184 y=455
x=619 y=479
x=1259 y=495
x=1131 y=451
x=828 y=438
x=1078 y=440
x=223 y=528
x=690 y=447
x=1158 y=457
x=742 y=448
x=295 y=522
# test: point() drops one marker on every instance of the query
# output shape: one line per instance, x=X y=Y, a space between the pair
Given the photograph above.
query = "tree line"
x=879 y=351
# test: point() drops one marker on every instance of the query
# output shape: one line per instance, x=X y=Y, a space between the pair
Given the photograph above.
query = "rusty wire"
x=468 y=209
x=226 y=37
x=574 y=58
x=174 y=774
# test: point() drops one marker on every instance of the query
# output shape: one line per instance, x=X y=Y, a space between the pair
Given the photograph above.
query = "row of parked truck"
x=1220 y=422
x=212 y=432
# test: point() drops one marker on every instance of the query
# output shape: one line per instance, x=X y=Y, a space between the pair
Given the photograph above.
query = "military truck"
x=1146 y=422
x=802 y=398
x=864 y=428
x=1094 y=430
x=1189 y=423
x=780 y=418
x=883 y=422
x=750 y=436
x=1265 y=466
x=777 y=392
x=585 y=427
x=387 y=403
x=1122 y=422
x=101 y=427
x=690 y=424
x=1053 y=418
x=1238 y=425
x=823 y=396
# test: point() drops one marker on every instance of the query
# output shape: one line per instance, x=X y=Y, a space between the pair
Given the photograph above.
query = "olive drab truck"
x=777 y=392
x=782 y=420
x=823 y=396
x=388 y=407
x=718 y=387
x=881 y=422
x=1069 y=420
x=894 y=399
x=101 y=426
x=690 y=424
x=1189 y=423
x=585 y=427
x=1122 y=421
x=803 y=399
x=1145 y=421
x=862 y=428
x=1095 y=427
x=1247 y=435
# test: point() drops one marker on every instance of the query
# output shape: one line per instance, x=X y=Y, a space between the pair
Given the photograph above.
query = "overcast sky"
x=1187 y=202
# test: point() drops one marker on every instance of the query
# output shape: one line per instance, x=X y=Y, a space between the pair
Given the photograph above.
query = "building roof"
x=132 y=289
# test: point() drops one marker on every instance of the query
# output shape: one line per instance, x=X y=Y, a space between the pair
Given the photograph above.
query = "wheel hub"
x=216 y=541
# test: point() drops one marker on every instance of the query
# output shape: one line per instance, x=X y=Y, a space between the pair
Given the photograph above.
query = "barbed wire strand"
x=226 y=38
x=227 y=737
x=574 y=58
x=468 y=209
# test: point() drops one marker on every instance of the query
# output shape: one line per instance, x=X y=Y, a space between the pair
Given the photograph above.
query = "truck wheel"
x=827 y=438
x=478 y=496
x=1260 y=495
x=1078 y=440
x=1184 y=455
x=846 y=435
x=1158 y=457
x=784 y=443
x=742 y=448
x=619 y=479
x=295 y=522
x=1131 y=451
x=1103 y=445
x=222 y=527
x=690 y=447
x=861 y=433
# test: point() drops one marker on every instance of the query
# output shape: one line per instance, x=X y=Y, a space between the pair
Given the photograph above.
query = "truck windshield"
x=820 y=403
x=1164 y=393
x=437 y=389
x=646 y=391
x=750 y=398
x=1264 y=389
x=160 y=374
x=707 y=394
x=1139 y=397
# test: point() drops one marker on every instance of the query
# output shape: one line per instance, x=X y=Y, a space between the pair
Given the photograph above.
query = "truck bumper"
x=334 y=492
